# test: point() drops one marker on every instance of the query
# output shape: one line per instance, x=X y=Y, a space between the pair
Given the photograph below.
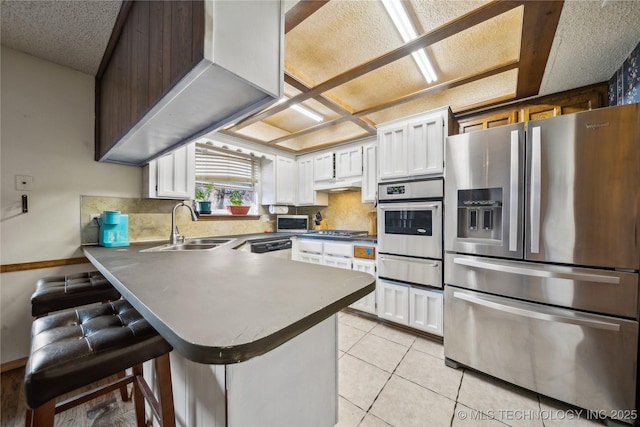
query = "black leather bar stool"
x=62 y=292
x=74 y=348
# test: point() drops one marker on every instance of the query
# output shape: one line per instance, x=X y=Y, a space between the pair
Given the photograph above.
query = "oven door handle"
x=597 y=324
x=406 y=206
x=504 y=268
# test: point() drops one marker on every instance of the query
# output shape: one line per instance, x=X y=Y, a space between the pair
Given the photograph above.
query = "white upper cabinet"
x=323 y=166
x=306 y=195
x=278 y=181
x=348 y=162
x=392 y=148
x=413 y=146
x=172 y=176
x=369 y=172
x=426 y=146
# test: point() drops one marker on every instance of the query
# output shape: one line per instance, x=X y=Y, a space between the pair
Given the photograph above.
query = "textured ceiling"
x=70 y=33
x=335 y=57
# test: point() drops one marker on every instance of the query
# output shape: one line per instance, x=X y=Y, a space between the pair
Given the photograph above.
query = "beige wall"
x=47 y=127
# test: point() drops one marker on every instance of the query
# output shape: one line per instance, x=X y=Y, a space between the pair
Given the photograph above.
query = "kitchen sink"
x=195 y=244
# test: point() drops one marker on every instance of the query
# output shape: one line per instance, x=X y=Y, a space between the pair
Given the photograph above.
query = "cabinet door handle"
x=597 y=324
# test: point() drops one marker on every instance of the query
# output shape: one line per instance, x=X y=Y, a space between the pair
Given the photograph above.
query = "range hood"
x=240 y=74
x=337 y=185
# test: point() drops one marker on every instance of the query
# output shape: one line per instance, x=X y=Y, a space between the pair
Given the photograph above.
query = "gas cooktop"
x=340 y=233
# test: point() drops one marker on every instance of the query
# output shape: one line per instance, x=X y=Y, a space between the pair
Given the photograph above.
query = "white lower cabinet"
x=339 y=262
x=425 y=310
x=336 y=254
x=368 y=302
x=393 y=301
x=310 y=258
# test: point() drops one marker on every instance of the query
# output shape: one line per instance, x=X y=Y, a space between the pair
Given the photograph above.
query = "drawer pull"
x=537 y=315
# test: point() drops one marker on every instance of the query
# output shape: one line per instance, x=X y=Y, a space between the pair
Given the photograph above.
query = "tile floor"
x=389 y=377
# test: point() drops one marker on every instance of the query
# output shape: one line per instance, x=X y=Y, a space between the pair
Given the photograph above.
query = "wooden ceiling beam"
x=330 y=104
x=539 y=25
x=440 y=88
x=459 y=24
x=301 y=11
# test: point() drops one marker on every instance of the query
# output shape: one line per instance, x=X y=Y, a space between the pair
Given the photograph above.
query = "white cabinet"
x=392 y=148
x=306 y=195
x=426 y=146
x=278 y=181
x=337 y=254
x=369 y=172
x=368 y=302
x=323 y=166
x=172 y=176
x=310 y=258
x=413 y=146
x=425 y=310
x=348 y=162
x=307 y=250
x=393 y=301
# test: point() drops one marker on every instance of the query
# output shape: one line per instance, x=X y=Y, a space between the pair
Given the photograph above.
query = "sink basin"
x=189 y=247
x=195 y=244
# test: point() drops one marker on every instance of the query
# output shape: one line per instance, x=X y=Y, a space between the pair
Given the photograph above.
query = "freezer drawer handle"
x=537 y=315
x=596 y=278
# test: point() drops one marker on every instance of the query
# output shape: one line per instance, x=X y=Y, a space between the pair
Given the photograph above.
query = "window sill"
x=223 y=217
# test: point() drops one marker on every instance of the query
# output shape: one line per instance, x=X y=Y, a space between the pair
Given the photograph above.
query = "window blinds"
x=226 y=168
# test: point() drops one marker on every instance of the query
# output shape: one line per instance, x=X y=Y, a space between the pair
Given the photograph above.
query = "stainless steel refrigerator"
x=542 y=241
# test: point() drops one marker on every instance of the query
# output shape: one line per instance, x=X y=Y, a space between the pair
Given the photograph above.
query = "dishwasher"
x=275 y=247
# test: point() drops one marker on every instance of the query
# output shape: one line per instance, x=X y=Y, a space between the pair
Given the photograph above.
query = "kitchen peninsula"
x=254 y=337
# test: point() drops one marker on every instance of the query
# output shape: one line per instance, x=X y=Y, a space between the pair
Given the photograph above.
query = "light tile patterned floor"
x=389 y=377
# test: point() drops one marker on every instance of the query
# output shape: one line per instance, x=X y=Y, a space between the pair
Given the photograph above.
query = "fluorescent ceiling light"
x=401 y=20
x=300 y=109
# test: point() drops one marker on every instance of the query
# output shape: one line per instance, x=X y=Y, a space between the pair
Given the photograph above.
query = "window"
x=228 y=170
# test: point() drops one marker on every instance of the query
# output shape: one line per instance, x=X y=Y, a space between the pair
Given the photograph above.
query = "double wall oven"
x=410 y=232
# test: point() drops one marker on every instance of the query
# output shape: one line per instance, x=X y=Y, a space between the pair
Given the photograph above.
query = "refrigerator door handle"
x=503 y=268
x=513 y=191
x=537 y=315
x=535 y=190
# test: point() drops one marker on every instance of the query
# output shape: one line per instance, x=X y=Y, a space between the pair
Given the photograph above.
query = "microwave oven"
x=292 y=223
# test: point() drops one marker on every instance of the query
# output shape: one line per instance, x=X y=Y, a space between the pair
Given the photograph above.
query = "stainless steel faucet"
x=175 y=234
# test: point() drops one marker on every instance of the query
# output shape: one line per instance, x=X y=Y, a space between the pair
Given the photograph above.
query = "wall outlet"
x=93 y=220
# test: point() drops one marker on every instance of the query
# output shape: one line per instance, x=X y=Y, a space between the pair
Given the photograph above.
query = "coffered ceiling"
x=346 y=61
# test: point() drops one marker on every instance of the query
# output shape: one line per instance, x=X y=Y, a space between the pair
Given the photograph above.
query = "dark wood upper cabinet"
x=573 y=101
x=169 y=75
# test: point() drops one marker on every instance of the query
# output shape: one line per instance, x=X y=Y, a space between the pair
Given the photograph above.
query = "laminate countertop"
x=224 y=305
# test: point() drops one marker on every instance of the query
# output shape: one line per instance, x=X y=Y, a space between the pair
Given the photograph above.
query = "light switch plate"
x=24 y=182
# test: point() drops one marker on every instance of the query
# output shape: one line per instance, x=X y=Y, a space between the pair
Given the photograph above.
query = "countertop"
x=224 y=305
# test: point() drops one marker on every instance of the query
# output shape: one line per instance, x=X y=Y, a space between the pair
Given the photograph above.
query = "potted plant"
x=203 y=195
x=236 y=208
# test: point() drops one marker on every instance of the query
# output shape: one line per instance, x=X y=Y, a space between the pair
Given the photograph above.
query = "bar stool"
x=74 y=348
x=57 y=293
x=61 y=292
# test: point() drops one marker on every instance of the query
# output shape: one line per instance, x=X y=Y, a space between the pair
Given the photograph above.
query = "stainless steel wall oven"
x=410 y=232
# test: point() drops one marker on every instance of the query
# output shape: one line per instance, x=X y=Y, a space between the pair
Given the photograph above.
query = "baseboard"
x=14 y=364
